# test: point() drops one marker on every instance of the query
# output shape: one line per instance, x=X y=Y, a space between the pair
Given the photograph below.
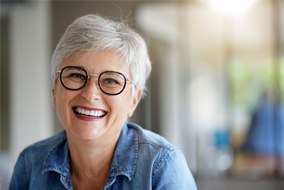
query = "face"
x=88 y=114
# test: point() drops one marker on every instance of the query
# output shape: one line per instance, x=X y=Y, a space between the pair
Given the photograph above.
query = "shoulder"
x=146 y=137
x=160 y=161
x=153 y=146
x=39 y=150
x=48 y=143
x=31 y=160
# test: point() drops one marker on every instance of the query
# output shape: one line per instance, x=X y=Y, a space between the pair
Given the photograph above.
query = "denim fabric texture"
x=142 y=160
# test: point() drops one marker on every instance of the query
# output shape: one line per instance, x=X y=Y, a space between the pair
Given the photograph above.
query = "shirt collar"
x=124 y=161
x=56 y=159
x=126 y=154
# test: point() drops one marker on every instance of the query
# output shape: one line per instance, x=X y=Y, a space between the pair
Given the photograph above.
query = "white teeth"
x=94 y=113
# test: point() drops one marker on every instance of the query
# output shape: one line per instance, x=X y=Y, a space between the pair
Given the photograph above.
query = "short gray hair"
x=92 y=33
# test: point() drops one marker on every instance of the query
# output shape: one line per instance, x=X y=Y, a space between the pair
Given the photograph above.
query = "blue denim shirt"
x=142 y=160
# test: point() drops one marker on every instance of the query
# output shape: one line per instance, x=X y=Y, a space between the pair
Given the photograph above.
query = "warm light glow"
x=231 y=7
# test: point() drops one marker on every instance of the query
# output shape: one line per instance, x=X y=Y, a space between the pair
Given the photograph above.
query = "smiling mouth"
x=89 y=112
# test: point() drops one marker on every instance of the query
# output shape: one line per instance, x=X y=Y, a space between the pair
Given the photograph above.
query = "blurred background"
x=216 y=89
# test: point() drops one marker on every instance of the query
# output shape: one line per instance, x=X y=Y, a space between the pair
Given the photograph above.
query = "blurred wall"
x=29 y=115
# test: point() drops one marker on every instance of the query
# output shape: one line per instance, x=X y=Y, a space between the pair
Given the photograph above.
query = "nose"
x=91 y=91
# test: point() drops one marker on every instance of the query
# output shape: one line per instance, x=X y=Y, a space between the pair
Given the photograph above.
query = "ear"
x=53 y=98
x=134 y=102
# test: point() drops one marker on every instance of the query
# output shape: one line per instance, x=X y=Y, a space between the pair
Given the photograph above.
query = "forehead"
x=96 y=61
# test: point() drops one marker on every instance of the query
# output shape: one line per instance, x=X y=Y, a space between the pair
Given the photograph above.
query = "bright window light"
x=231 y=7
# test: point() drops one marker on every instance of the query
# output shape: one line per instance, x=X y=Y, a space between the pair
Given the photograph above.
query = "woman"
x=99 y=71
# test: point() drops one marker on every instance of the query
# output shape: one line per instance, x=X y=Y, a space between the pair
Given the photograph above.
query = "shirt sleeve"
x=171 y=172
x=19 y=180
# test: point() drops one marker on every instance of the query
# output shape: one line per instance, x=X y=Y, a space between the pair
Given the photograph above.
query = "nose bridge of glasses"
x=93 y=75
x=95 y=82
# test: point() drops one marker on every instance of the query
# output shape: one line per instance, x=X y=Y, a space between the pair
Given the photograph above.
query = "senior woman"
x=99 y=71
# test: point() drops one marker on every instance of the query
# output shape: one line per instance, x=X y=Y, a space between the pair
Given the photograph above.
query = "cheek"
x=61 y=99
x=119 y=105
x=56 y=97
x=58 y=103
x=128 y=107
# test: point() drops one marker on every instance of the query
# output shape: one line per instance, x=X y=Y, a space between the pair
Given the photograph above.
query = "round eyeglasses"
x=76 y=78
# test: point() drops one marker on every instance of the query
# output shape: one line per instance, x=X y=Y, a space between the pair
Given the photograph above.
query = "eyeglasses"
x=76 y=78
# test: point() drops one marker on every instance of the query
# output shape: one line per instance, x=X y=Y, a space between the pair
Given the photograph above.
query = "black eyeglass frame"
x=88 y=77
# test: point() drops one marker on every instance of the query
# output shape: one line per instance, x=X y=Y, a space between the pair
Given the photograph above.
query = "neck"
x=91 y=160
x=90 y=156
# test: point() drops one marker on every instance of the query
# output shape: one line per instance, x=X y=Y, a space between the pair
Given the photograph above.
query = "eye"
x=76 y=76
x=110 y=82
